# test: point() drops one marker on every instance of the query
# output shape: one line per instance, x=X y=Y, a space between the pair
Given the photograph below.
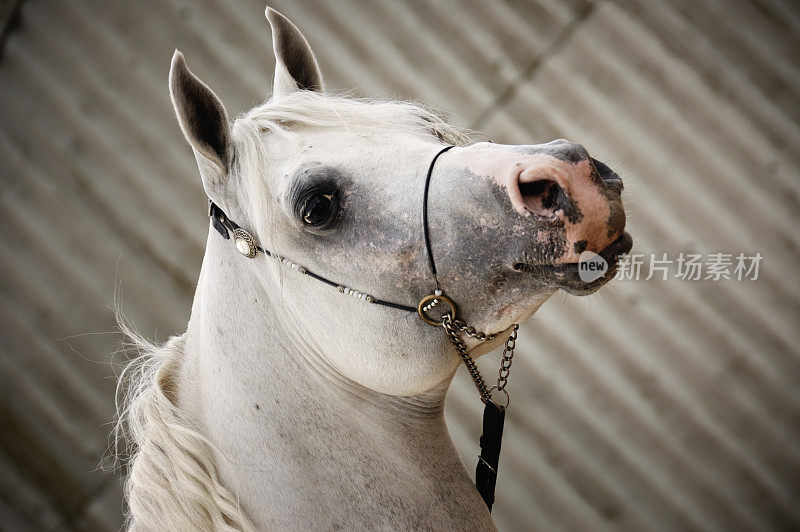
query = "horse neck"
x=285 y=424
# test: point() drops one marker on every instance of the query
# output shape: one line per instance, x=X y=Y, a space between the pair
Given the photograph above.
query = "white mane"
x=172 y=481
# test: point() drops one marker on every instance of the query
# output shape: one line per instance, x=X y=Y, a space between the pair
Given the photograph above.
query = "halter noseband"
x=425 y=230
x=494 y=413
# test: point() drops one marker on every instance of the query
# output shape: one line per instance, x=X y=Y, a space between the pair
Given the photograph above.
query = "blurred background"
x=654 y=404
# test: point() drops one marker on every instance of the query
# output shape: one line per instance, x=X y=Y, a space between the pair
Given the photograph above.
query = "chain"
x=452 y=331
x=472 y=333
x=508 y=355
x=453 y=327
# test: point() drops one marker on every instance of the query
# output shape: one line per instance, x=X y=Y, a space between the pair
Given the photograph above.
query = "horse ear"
x=296 y=67
x=203 y=119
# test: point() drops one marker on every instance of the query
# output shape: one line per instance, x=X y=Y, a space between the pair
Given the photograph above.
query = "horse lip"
x=566 y=275
x=620 y=246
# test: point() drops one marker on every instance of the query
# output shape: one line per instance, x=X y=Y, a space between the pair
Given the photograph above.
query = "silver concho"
x=245 y=243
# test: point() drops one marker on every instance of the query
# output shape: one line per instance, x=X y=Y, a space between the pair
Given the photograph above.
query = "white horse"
x=289 y=405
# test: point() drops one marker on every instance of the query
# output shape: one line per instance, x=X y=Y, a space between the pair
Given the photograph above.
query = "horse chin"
x=481 y=348
x=513 y=313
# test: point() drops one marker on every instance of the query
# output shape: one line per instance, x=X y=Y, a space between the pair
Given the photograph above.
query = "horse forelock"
x=302 y=109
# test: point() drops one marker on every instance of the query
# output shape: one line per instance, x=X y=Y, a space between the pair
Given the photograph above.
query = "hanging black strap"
x=486 y=473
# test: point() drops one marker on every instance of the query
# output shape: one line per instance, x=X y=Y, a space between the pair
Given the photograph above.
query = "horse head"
x=336 y=185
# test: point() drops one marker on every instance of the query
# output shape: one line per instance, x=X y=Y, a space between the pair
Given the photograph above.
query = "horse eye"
x=319 y=209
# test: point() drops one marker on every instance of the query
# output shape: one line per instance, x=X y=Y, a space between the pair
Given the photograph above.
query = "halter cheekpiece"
x=494 y=413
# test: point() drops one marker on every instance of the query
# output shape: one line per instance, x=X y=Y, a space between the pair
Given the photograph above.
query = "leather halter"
x=225 y=227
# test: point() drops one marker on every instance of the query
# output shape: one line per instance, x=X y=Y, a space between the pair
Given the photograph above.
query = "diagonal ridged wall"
x=653 y=404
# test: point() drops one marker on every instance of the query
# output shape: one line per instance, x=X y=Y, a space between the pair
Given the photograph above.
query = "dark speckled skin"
x=480 y=239
x=479 y=244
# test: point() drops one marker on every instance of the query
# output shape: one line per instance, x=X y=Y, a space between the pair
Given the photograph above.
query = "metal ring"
x=508 y=397
x=425 y=300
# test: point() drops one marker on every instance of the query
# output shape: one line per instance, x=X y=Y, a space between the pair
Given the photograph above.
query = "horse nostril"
x=541 y=196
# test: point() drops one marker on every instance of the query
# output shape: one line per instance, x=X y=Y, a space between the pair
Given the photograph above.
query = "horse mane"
x=172 y=481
